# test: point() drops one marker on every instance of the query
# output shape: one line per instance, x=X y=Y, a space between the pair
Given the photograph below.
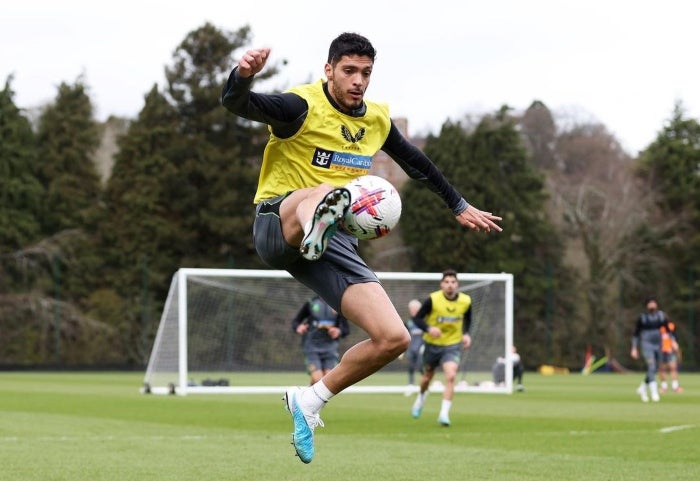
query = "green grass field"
x=96 y=426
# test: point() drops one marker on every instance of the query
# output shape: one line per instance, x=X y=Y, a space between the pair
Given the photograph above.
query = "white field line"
x=197 y=437
x=12 y=439
x=672 y=429
x=666 y=430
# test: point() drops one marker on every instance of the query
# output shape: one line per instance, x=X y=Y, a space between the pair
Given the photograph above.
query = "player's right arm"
x=419 y=319
x=253 y=61
x=301 y=316
x=283 y=112
x=634 y=353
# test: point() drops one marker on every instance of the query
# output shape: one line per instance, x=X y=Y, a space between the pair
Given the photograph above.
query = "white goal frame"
x=183 y=387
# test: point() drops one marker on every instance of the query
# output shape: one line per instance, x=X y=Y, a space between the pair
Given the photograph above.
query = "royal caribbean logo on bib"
x=328 y=159
x=322 y=158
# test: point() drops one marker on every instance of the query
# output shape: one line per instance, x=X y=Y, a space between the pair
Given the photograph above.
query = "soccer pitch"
x=97 y=426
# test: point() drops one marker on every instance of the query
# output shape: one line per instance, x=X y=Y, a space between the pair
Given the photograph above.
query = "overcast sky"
x=623 y=63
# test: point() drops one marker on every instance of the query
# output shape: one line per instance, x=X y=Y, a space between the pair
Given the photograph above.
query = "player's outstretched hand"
x=477 y=220
x=252 y=62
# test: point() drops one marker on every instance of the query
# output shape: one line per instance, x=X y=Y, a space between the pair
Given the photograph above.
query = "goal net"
x=229 y=331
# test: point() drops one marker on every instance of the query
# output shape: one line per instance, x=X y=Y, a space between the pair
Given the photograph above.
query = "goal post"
x=225 y=330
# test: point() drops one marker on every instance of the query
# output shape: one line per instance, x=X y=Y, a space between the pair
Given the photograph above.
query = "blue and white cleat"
x=304 y=425
x=417 y=408
x=329 y=213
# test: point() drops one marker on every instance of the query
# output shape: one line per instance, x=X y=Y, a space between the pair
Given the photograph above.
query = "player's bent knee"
x=395 y=345
x=405 y=342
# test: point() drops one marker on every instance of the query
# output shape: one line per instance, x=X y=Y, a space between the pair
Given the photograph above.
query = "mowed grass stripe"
x=96 y=426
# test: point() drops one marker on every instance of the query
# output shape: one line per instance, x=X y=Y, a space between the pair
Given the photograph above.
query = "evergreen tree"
x=490 y=167
x=671 y=165
x=137 y=220
x=20 y=203
x=216 y=156
x=21 y=194
x=68 y=137
x=138 y=233
x=181 y=190
x=672 y=161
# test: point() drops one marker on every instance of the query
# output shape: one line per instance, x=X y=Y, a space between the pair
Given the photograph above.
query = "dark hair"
x=449 y=273
x=649 y=299
x=350 y=44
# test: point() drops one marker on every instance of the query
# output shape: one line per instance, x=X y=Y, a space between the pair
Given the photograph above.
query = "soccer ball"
x=375 y=207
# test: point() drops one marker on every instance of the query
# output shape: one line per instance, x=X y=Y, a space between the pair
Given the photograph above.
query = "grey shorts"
x=320 y=360
x=329 y=276
x=435 y=356
x=668 y=357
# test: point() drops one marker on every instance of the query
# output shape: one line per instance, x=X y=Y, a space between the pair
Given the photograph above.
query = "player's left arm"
x=634 y=351
x=419 y=318
x=466 y=325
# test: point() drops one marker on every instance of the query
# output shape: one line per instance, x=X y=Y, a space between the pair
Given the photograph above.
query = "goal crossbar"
x=208 y=313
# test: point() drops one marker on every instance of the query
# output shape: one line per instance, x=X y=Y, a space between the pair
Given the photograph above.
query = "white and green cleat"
x=329 y=213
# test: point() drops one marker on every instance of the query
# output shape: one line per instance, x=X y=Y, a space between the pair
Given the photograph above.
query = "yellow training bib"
x=329 y=147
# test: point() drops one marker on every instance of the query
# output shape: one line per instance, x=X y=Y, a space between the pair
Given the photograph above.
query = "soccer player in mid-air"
x=300 y=202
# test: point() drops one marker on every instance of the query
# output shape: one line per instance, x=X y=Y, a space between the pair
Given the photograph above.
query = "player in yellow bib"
x=445 y=317
x=323 y=135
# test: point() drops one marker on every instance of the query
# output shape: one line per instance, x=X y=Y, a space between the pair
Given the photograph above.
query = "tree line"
x=85 y=265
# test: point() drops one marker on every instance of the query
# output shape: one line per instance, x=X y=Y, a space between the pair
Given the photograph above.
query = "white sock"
x=445 y=408
x=316 y=396
x=653 y=388
x=674 y=384
x=664 y=385
x=420 y=399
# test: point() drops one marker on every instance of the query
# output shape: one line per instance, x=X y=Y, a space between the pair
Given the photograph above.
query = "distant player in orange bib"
x=669 y=359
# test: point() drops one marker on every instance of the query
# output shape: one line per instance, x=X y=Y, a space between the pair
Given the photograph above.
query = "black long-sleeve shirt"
x=647 y=328
x=320 y=316
x=285 y=113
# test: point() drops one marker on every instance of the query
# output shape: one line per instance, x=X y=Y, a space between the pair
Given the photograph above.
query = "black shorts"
x=339 y=266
